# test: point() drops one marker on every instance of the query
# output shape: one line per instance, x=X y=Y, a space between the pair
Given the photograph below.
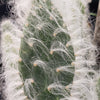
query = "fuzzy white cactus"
x=10 y=49
x=75 y=16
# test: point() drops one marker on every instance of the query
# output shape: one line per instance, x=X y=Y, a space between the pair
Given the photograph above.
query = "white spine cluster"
x=75 y=16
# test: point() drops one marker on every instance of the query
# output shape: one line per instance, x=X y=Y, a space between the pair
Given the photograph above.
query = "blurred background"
x=93 y=6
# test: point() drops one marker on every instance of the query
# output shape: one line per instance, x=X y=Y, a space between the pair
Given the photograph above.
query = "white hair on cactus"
x=10 y=50
x=76 y=17
x=84 y=85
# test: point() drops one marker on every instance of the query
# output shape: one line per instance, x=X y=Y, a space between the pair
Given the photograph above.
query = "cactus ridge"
x=45 y=57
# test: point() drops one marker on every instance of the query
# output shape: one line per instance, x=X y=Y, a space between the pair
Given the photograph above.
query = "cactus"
x=10 y=49
x=56 y=56
x=46 y=58
x=85 y=77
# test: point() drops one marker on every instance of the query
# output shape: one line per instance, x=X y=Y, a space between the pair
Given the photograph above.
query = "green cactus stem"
x=46 y=55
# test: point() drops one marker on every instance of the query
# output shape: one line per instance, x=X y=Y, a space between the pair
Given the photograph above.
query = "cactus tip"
x=39 y=28
x=34 y=64
x=44 y=0
x=51 y=52
x=57 y=70
x=51 y=18
x=30 y=44
x=67 y=45
x=54 y=34
x=32 y=81
x=66 y=87
x=19 y=60
x=27 y=25
x=76 y=55
x=73 y=64
x=22 y=84
x=49 y=88
x=40 y=6
x=26 y=98
x=64 y=25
